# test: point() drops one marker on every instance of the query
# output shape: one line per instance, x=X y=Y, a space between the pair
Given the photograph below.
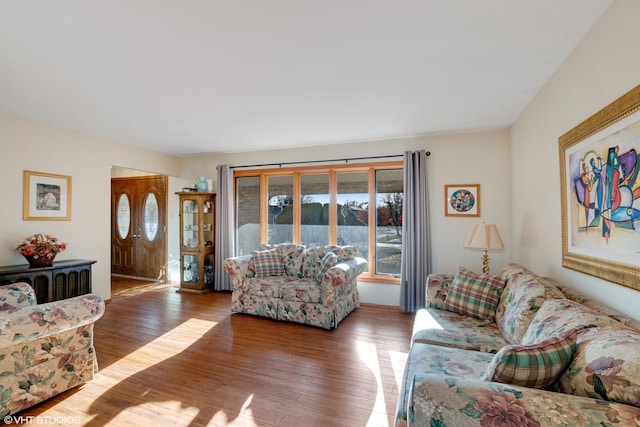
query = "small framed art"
x=46 y=197
x=462 y=199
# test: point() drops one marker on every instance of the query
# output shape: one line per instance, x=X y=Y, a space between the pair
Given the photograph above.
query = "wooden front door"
x=138 y=226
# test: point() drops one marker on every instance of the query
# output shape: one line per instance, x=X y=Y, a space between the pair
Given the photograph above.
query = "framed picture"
x=600 y=192
x=462 y=199
x=46 y=196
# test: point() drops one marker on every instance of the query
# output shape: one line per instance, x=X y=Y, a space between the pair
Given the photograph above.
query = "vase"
x=202 y=184
x=41 y=261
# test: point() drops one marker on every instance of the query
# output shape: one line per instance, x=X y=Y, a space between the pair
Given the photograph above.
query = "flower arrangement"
x=38 y=245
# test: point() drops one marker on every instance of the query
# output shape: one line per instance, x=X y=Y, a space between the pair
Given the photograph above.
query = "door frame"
x=162 y=228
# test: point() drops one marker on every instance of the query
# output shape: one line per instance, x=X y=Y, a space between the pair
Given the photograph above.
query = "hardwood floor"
x=122 y=287
x=175 y=359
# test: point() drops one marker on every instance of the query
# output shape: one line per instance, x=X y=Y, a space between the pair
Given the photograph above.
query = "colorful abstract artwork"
x=600 y=173
x=462 y=200
x=605 y=181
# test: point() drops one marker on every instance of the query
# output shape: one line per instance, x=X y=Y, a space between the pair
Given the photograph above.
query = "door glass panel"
x=389 y=200
x=353 y=211
x=280 y=209
x=314 y=213
x=124 y=216
x=151 y=216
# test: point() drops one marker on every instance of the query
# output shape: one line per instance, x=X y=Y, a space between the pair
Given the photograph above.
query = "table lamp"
x=484 y=236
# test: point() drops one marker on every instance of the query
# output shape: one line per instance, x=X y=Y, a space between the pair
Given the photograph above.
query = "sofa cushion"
x=521 y=298
x=514 y=270
x=307 y=290
x=600 y=308
x=311 y=261
x=328 y=260
x=474 y=295
x=292 y=260
x=344 y=253
x=270 y=286
x=449 y=329
x=605 y=366
x=560 y=315
x=536 y=365
x=447 y=363
x=437 y=289
x=267 y=263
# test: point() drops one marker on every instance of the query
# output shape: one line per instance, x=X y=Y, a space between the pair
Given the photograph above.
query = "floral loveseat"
x=518 y=350
x=45 y=349
x=315 y=286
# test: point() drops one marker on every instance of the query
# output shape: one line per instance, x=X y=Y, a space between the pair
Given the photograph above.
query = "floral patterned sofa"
x=45 y=349
x=518 y=350
x=315 y=286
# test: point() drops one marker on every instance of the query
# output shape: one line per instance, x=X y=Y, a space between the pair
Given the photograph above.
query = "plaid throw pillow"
x=535 y=365
x=474 y=295
x=267 y=263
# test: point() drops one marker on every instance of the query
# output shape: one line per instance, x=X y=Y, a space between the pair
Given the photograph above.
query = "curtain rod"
x=346 y=160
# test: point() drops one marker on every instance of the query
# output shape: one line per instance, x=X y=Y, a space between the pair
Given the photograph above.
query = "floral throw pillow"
x=328 y=261
x=556 y=316
x=267 y=263
x=605 y=366
x=437 y=289
x=536 y=365
x=474 y=295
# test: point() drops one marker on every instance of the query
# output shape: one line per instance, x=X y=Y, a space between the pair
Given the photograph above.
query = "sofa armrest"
x=341 y=276
x=437 y=288
x=443 y=400
x=238 y=269
x=15 y=296
x=41 y=320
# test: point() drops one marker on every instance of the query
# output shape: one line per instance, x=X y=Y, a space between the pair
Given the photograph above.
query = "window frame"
x=332 y=171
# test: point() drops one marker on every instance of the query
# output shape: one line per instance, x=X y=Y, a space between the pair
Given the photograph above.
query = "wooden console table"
x=64 y=279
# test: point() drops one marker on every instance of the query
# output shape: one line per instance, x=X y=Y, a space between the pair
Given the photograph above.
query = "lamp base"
x=485 y=262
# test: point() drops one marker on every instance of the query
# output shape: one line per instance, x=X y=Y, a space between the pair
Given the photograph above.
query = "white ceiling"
x=212 y=76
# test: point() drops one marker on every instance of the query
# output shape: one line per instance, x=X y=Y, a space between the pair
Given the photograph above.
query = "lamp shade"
x=484 y=236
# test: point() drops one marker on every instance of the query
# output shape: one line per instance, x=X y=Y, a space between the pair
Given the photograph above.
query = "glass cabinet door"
x=190 y=223
x=207 y=223
x=190 y=269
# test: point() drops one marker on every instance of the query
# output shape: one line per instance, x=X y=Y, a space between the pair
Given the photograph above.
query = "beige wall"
x=603 y=67
x=29 y=145
x=461 y=158
x=481 y=158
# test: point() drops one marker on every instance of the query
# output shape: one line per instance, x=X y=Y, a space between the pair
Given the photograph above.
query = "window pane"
x=247 y=214
x=389 y=198
x=353 y=211
x=280 y=209
x=314 y=215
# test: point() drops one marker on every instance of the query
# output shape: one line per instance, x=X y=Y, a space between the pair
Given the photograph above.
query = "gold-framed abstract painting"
x=600 y=193
x=462 y=200
x=46 y=197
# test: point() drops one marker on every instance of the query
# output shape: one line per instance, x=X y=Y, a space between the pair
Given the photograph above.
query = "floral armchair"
x=45 y=349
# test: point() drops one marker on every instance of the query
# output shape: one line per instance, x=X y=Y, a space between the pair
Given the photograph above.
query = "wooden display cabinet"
x=197 y=241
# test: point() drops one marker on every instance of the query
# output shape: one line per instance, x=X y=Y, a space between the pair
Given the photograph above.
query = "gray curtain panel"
x=416 y=244
x=225 y=242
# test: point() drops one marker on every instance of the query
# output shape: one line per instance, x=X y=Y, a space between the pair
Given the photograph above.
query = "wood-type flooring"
x=175 y=359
